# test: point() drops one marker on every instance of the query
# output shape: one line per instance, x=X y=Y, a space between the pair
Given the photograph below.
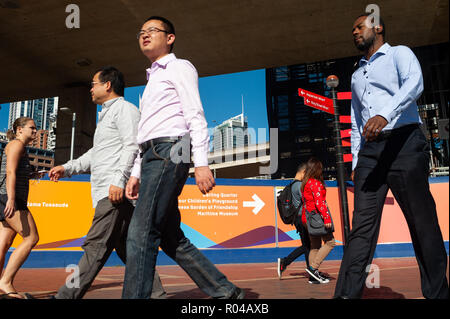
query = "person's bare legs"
x=7 y=235
x=21 y=222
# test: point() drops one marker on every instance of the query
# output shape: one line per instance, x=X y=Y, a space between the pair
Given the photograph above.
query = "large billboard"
x=231 y=216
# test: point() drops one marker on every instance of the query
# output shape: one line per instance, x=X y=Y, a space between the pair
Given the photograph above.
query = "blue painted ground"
x=58 y=259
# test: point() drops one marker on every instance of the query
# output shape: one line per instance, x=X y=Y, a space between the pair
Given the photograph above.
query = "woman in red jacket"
x=314 y=199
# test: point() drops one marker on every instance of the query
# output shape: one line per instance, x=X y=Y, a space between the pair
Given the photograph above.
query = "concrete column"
x=78 y=99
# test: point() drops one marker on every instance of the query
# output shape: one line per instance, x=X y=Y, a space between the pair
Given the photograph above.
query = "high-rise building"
x=231 y=133
x=40 y=110
x=41 y=140
x=51 y=140
x=43 y=112
x=304 y=131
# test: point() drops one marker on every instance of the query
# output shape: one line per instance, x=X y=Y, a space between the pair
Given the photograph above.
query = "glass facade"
x=40 y=110
x=306 y=132
x=230 y=134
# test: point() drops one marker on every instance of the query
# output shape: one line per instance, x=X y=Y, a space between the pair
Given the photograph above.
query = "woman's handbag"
x=315 y=224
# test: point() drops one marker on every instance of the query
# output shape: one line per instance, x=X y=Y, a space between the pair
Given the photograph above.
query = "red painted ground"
x=399 y=279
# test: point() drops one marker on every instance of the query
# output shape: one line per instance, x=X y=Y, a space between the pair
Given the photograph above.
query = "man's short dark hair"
x=383 y=32
x=111 y=74
x=168 y=26
x=301 y=167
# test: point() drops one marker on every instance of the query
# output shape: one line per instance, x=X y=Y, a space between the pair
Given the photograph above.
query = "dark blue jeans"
x=156 y=223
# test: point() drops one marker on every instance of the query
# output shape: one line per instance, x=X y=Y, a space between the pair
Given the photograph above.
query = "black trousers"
x=304 y=248
x=400 y=163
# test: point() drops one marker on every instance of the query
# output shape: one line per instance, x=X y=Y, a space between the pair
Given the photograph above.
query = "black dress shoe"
x=238 y=294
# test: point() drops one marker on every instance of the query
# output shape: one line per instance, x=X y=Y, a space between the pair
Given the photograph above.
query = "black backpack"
x=288 y=212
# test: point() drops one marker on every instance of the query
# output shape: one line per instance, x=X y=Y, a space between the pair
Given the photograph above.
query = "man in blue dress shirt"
x=390 y=152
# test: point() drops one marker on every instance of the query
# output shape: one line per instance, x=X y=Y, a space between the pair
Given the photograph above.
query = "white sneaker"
x=280 y=268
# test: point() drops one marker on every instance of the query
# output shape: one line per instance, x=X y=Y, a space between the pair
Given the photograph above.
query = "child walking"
x=314 y=200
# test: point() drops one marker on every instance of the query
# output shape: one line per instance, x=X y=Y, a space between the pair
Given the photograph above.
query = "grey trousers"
x=108 y=231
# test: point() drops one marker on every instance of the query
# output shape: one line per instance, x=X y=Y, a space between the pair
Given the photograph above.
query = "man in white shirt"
x=171 y=112
x=109 y=161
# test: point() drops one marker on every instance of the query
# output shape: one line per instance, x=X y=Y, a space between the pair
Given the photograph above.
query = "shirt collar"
x=110 y=102
x=105 y=107
x=381 y=50
x=162 y=63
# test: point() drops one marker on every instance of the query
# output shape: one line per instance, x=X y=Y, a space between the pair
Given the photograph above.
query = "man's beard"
x=365 y=44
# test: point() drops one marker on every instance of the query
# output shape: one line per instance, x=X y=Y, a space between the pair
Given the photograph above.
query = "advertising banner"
x=229 y=216
x=234 y=216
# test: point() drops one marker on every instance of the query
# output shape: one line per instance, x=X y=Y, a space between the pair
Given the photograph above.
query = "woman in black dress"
x=15 y=217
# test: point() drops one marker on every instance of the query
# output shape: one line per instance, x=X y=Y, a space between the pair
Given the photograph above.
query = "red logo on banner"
x=317 y=101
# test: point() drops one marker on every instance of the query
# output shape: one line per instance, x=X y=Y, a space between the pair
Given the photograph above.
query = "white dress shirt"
x=112 y=156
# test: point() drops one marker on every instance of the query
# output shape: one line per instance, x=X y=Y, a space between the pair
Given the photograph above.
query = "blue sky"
x=221 y=98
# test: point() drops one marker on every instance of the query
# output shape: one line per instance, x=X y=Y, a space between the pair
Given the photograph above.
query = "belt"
x=388 y=133
x=151 y=143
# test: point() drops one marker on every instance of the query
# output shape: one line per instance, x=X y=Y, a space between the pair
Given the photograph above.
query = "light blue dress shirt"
x=388 y=85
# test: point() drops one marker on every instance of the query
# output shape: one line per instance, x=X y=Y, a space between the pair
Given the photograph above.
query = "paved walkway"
x=399 y=279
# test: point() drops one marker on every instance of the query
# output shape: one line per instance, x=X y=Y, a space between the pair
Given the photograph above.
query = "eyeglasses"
x=93 y=83
x=149 y=31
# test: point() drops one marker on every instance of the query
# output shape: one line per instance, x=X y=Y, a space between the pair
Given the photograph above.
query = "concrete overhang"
x=41 y=57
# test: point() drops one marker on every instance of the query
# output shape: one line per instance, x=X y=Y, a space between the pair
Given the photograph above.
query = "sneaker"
x=313 y=281
x=324 y=275
x=280 y=267
x=316 y=275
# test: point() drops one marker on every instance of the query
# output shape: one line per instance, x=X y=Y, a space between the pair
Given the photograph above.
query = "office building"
x=231 y=133
x=43 y=112
x=40 y=110
x=41 y=140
